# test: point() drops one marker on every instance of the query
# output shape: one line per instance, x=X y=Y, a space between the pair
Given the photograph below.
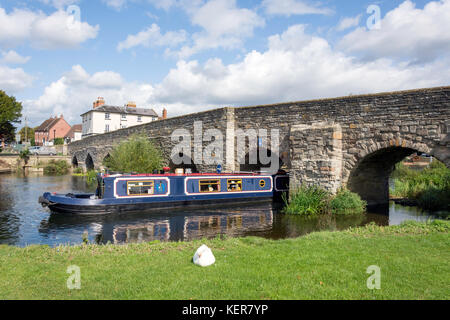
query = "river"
x=24 y=222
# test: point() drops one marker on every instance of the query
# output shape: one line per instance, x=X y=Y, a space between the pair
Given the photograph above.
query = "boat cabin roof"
x=184 y=175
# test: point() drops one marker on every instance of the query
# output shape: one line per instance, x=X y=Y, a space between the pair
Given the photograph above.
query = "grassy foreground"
x=414 y=261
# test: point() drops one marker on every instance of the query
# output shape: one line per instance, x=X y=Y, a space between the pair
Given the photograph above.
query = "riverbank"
x=428 y=188
x=413 y=258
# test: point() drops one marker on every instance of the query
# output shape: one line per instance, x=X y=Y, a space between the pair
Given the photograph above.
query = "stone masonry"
x=351 y=141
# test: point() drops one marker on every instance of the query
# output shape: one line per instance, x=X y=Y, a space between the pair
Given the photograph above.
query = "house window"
x=107 y=116
x=123 y=126
x=124 y=116
x=234 y=184
x=140 y=188
x=139 y=119
x=90 y=116
x=206 y=186
x=107 y=128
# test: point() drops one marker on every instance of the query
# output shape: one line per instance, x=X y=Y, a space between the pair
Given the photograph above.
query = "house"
x=50 y=129
x=74 y=134
x=103 y=118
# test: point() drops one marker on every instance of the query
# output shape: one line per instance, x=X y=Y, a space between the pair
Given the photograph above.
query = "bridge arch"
x=246 y=165
x=74 y=162
x=89 y=162
x=368 y=173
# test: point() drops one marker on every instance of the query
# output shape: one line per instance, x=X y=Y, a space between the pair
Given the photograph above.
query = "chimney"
x=62 y=117
x=99 y=102
x=164 y=114
x=131 y=104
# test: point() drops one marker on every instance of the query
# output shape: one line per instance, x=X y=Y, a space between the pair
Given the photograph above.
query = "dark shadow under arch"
x=74 y=162
x=246 y=166
x=370 y=176
x=89 y=163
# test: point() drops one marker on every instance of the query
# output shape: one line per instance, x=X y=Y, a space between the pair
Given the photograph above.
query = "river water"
x=23 y=221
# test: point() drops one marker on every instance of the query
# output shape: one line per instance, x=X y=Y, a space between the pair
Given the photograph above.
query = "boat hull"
x=90 y=209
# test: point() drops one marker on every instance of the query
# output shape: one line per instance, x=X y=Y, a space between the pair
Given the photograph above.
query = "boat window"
x=234 y=185
x=209 y=185
x=140 y=188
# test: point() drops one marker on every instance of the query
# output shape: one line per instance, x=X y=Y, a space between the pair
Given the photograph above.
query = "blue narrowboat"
x=128 y=192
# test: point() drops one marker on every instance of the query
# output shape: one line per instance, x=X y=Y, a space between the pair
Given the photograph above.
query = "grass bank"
x=429 y=188
x=413 y=259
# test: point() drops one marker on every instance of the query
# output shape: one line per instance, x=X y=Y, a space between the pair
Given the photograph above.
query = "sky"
x=58 y=56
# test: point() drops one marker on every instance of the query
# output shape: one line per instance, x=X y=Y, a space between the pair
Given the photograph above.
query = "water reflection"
x=23 y=221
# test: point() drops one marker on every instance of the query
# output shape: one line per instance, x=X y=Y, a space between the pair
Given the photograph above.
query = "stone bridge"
x=351 y=141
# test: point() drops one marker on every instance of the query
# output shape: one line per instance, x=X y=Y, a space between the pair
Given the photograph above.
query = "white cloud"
x=74 y=92
x=292 y=7
x=58 y=30
x=348 y=23
x=296 y=66
x=14 y=79
x=406 y=33
x=12 y=57
x=223 y=24
x=152 y=37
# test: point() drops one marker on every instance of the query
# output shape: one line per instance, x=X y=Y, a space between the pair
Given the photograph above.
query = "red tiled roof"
x=47 y=124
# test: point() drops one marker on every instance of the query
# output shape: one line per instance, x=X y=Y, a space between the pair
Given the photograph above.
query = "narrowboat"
x=137 y=192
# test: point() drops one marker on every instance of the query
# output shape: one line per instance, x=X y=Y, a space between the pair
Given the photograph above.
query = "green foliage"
x=308 y=201
x=10 y=112
x=91 y=176
x=26 y=134
x=313 y=200
x=77 y=171
x=58 y=141
x=56 y=167
x=137 y=154
x=430 y=187
x=346 y=202
x=25 y=155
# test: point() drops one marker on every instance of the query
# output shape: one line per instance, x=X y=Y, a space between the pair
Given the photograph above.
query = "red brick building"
x=50 y=129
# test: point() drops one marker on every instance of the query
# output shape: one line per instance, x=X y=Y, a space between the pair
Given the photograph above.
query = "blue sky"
x=190 y=56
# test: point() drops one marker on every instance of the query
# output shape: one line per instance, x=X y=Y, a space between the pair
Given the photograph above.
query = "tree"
x=10 y=113
x=29 y=132
x=137 y=154
x=25 y=155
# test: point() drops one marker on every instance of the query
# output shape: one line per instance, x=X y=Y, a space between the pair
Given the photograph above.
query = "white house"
x=74 y=134
x=103 y=118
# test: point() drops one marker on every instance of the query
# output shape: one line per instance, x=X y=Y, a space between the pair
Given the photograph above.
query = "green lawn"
x=414 y=260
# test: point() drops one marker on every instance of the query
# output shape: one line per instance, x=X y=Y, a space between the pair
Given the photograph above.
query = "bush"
x=313 y=201
x=91 y=176
x=56 y=167
x=25 y=155
x=346 y=202
x=137 y=154
x=77 y=171
x=430 y=187
x=308 y=201
x=58 y=141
